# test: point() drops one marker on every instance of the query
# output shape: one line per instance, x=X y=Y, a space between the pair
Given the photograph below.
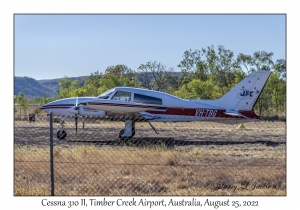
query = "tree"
x=23 y=102
x=69 y=88
x=109 y=81
x=277 y=86
x=201 y=89
x=93 y=83
x=190 y=60
x=245 y=61
x=208 y=66
x=221 y=65
x=280 y=68
x=264 y=101
x=273 y=97
x=193 y=66
x=64 y=84
x=155 y=76
x=119 y=69
x=260 y=60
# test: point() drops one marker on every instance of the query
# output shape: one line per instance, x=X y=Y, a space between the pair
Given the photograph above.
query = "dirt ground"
x=180 y=133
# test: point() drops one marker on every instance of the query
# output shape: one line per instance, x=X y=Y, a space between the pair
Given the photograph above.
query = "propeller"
x=76 y=105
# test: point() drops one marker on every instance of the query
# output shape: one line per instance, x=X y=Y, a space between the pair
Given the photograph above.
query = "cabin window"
x=139 y=98
x=122 y=96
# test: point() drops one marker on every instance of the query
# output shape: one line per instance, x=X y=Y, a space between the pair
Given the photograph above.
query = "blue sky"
x=53 y=46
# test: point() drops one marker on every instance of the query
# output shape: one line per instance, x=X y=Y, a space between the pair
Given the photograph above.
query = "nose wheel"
x=61 y=134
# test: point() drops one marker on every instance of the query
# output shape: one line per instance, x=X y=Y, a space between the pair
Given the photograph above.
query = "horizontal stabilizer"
x=149 y=116
x=234 y=114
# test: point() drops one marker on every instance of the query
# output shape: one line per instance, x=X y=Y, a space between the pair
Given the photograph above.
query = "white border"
x=9 y=8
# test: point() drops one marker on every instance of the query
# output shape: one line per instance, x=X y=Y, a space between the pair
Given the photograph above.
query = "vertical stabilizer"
x=244 y=95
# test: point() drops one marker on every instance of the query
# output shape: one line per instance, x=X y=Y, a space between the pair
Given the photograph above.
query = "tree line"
x=207 y=73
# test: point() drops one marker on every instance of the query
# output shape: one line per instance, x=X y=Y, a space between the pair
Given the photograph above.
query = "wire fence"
x=104 y=157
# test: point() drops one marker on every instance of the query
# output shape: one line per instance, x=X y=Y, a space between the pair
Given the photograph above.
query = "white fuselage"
x=159 y=106
x=153 y=105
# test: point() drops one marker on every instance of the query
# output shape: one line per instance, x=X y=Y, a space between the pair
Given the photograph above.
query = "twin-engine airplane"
x=154 y=106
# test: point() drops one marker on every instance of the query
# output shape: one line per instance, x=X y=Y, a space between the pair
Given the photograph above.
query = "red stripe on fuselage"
x=55 y=107
x=202 y=113
x=191 y=112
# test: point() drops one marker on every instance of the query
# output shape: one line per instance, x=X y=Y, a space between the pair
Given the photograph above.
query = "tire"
x=125 y=138
x=61 y=134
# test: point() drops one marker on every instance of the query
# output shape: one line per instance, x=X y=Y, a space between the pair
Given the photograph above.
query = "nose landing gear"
x=61 y=134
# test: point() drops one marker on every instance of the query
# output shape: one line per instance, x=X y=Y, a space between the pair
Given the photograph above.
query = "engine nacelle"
x=83 y=111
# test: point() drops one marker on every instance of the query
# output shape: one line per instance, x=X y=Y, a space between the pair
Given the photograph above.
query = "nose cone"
x=73 y=110
x=44 y=107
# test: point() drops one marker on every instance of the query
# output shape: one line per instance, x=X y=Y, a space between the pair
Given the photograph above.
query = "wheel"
x=125 y=137
x=61 y=134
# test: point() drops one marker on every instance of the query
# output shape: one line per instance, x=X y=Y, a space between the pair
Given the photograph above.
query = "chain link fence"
x=162 y=158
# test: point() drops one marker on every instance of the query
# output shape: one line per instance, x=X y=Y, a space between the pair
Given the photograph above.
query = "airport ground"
x=186 y=158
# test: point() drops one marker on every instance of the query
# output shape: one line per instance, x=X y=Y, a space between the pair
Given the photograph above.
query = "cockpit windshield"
x=106 y=94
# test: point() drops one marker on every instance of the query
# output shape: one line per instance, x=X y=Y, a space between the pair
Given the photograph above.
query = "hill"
x=53 y=83
x=38 y=88
x=31 y=88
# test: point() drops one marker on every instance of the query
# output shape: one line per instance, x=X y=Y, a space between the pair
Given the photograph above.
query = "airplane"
x=155 y=106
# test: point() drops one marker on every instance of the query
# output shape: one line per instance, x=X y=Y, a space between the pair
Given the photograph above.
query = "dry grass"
x=208 y=158
x=152 y=170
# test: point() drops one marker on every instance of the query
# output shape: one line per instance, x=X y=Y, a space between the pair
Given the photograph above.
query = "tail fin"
x=244 y=95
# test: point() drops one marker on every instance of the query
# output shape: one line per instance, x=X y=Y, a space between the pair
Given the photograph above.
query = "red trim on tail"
x=249 y=114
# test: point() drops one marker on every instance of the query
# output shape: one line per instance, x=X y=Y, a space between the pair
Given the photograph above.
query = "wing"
x=114 y=109
x=117 y=106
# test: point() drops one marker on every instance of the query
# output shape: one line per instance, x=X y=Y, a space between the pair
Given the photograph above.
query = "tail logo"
x=246 y=94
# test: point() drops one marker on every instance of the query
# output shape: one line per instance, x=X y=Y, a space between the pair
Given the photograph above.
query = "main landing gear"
x=129 y=131
x=125 y=134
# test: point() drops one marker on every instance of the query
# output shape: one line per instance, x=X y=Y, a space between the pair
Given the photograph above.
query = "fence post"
x=51 y=154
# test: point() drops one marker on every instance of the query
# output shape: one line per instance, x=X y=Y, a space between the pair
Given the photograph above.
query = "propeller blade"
x=76 y=105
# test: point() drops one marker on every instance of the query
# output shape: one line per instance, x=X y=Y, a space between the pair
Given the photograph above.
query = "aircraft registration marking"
x=206 y=112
